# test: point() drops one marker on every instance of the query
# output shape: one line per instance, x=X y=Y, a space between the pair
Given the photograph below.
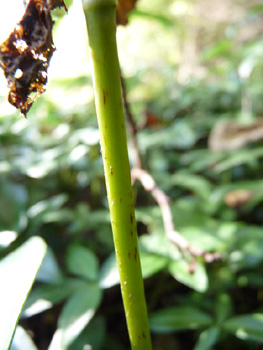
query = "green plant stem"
x=101 y=23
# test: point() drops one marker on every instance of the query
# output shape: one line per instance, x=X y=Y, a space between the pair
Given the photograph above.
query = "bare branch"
x=131 y=123
x=163 y=201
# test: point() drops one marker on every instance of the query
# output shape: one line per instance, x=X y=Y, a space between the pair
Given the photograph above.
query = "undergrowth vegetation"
x=200 y=137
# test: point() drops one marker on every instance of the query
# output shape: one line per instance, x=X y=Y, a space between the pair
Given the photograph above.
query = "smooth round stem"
x=101 y=23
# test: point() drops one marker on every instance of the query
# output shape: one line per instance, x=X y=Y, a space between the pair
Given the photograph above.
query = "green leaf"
x=22 y=340
x=247 y=250
x=204 y=238
x=158 y=244
x=93 y=335
x=45 y=296
x=78 y=311
x=13 y=199
x=164 y=20
x=6 y=238
x=152 y=263
x=256 y=9
x=17 y=273
x=49 y=271
x=237 y=158
x=82 y=262
x=170 y=137
x=46 y=206
x=109 y=275
x=223 y=307
x=246 y=326
x=207 y=339
x=178 y=318
x=197 y=184
x=216 y=50
x=198 y=280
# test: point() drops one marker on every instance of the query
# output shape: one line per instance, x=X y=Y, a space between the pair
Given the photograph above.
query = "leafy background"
x=188 y=65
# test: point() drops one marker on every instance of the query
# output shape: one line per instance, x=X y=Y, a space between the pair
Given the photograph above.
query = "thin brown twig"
x=163 y=201
x=138 y=173
x=131 y=123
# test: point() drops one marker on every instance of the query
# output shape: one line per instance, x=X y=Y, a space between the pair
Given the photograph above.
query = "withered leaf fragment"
x=123 y=9
x=25 y=55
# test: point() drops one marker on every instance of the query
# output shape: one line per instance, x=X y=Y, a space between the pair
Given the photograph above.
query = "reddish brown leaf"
x=123 y=9
x=26 y=53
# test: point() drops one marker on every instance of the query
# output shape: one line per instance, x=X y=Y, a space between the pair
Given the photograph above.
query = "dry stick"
x=131 y=122
x=163 y=201
x=138 y=173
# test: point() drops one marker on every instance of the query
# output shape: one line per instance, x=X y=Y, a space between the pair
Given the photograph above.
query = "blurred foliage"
x=188 y=69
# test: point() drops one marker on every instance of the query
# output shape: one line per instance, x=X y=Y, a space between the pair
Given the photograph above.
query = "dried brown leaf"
x=123 y=9
x=26 y=53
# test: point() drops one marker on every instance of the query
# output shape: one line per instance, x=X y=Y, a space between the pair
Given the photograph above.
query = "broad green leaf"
x=164 y=20
x=223 y=307
x=246 y=233
x=60 y=215
x=22 y=340
x=77 y=312
x=216 y=50
x=45 y=296
x=82 y=262
x=13 y=199
x=152 y=263
x=256 y=8
x=199 y=160
x=244 y=156
x=170 y=137
x=246 y=326
x=192 y=182
x=17 y=273
x=207 y=339
x=56 y=341
x=47 y=206
x=178 y=318
x=158 y=244
x=93 y=336
x=180 y=271
x=7 y=237
x=246 y=254
x=204 y=238
x=49 y=271
x=109 y=275
x=198 y=217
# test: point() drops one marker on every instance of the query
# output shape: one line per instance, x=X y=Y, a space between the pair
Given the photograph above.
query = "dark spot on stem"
x=131 y=218
x=129 y=255
x=135 y=254
x=111 y=171
x=131 y=233
x=143 y=335
x=104 y=96
x=120 y=199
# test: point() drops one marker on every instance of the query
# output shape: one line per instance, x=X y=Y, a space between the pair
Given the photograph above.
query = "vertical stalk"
x=101 y=24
